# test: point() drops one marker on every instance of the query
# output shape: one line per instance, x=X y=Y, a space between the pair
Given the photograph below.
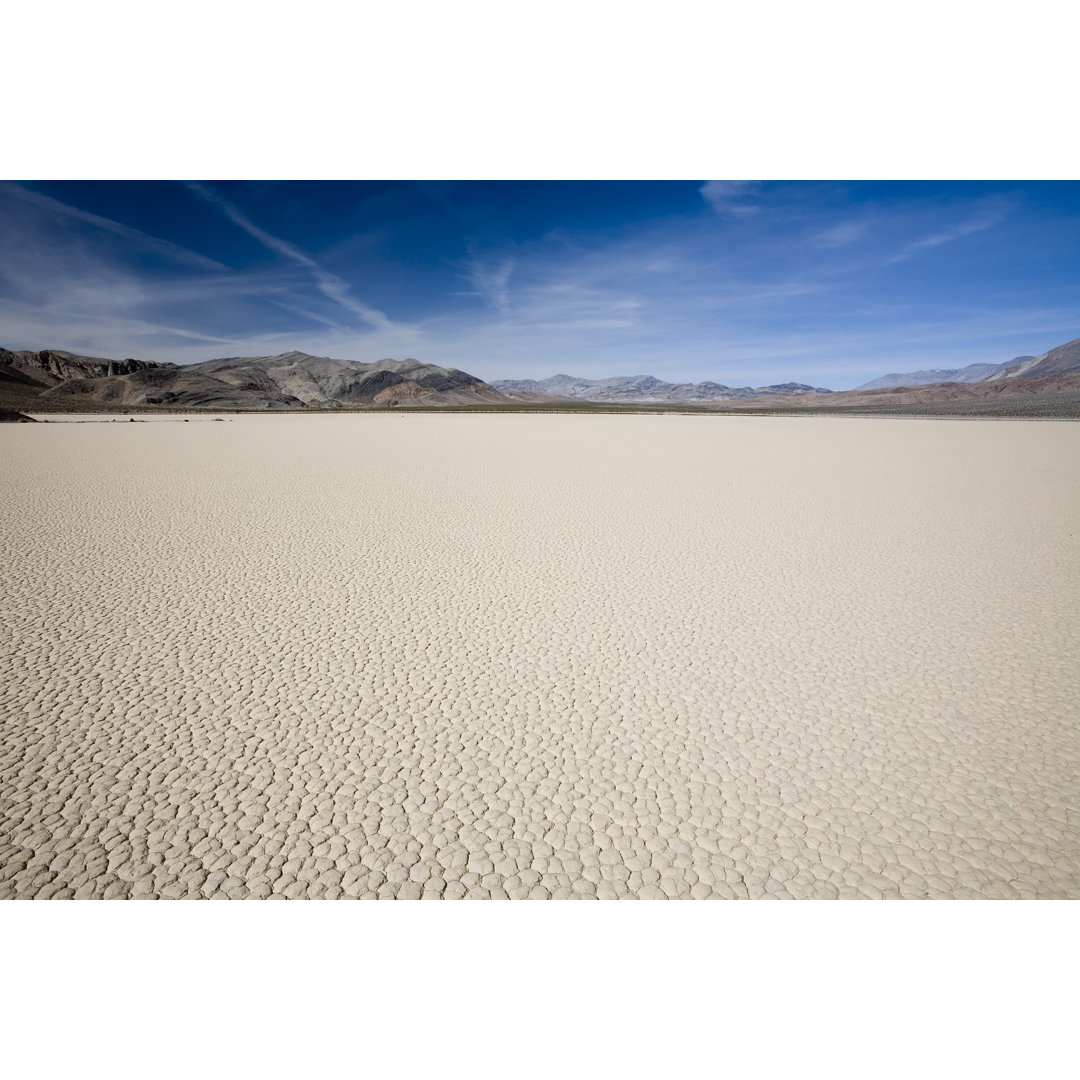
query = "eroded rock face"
x=402 y=391
x=52 y=366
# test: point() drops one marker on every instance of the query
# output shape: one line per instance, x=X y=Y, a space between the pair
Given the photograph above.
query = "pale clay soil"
x=540 y=656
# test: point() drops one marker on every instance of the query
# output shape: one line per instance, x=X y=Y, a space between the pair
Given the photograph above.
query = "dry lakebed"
x=540 y=656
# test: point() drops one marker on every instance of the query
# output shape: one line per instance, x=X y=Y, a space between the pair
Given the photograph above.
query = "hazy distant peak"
x=971 y=374
x=643 y=388
x=1058 y=361
x=792 y=388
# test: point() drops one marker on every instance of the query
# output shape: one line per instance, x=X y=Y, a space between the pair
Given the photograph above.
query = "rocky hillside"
x=639 y=388
x=52 y=379
x=1059 y=361
x=292 y=380
x=1062 y=360
x=1068 y=382
x=970 y=374
x=328 y=383
x=25 y=376
x=51 y=366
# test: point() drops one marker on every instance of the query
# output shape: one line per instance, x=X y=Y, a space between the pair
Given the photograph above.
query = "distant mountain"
x=1056 y=372
x=987 y=390
x=641 y=388
x=50 y=379
x=790 y=388
x=292 y=380
x=1059 y=361
x=970 y=374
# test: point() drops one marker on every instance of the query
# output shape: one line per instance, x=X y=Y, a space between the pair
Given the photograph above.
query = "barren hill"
x=292 y=380
x=971 y=373
x=934 y=392
x=1058 y=361
x=328 y=383
x=52 y=366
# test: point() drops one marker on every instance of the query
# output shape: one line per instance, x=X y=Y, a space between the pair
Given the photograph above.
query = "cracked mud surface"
x=540 y=656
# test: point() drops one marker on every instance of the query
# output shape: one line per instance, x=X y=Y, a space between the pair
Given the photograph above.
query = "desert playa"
x=437 y=657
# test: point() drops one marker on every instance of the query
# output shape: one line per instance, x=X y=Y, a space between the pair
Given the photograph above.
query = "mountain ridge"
x=52 y=366
x=53 y=378
x=970 y=374
x=641 y=388
x=1060 y=360
x=290 y=380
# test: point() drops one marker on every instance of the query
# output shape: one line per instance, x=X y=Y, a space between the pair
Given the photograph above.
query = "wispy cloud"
x=305 y=313
x=730 y=196
x=572 y=305
x=491 y=281
x=141 y=239
x=69 y=281
x=328 y=284
x=992 y=214
x=795 y=292
x=106 y=332
x=842 y=235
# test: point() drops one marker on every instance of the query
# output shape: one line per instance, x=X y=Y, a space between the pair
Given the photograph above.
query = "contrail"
x=181 y=254
x=328 y=284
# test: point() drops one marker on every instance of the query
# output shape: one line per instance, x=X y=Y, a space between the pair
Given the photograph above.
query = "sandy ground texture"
x=540 y=656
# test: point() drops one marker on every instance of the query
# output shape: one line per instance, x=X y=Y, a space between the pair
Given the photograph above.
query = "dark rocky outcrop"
x=293 y=380
x=53 y=366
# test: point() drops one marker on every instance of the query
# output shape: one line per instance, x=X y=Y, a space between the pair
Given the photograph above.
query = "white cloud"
x=74 y=288
x=304 y=313
x=842 y=235
x=685 y=302
x=104 y=332
x=328 y=284
x=992 y=215
x=140 y=239
x=491 y=282
x=728 y=196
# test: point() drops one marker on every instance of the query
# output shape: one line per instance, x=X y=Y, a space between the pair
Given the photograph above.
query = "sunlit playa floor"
x=540 y=656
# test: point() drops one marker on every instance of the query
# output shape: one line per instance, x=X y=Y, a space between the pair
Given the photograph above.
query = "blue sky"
x=741 y=282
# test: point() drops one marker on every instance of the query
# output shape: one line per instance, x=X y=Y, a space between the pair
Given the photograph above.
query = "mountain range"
x=53 y=379
x=1055 y=371
x=642 y=388
x=970 y=374
x=292 y=380
x=1059 y=361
